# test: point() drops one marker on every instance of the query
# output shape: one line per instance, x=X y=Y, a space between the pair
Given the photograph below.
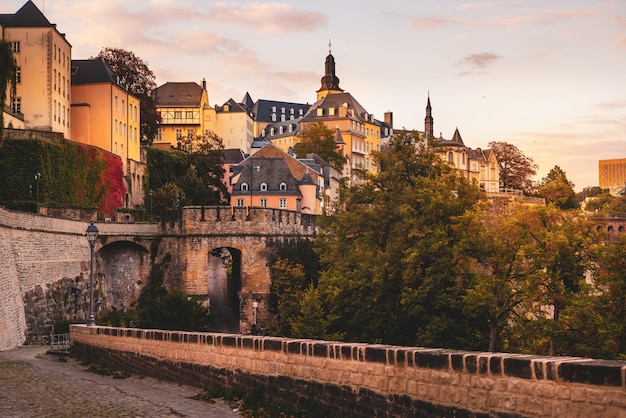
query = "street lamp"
x=150 y=193
x=255 y=306
x=37 y=177
x=92 y=235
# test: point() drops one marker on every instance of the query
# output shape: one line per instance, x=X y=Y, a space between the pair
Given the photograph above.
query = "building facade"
x=612 y=174
x=43 y=57
x=107 y=116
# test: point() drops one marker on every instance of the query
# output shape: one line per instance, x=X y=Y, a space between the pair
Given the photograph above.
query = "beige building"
x=234 y=125
x=107 y=116
x=476 y=165
x=612 y=174
x=43 y=57
x=185 y=112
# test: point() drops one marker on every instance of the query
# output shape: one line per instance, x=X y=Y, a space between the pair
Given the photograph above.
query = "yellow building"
x=234 y=125
x=43 y=58
x=185 y=112
x=357 y=132
x=612 y=174
x=107 y=116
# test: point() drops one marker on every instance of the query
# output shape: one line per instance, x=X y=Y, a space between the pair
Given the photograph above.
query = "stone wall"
x=360 y=380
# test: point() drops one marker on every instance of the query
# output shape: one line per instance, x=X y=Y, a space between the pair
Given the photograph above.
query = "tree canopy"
x=134 y=73
x=516 y=169
x=558 y=190
x=320 y=140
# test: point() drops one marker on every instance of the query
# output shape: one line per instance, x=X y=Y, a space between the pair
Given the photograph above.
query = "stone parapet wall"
x=364 y=380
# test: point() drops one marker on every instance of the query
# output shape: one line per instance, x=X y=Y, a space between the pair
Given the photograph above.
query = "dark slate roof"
x=262 y=109
x=233 y=156
x=336 y=101
x=271 y=171
x=28 y=16
x=295 y=126
x=247 y=101
x=92 y=71
x=178 y=94
x=233 y=106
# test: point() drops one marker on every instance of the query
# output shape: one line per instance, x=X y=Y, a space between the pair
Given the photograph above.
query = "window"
x=16 y=105
x=18 y=75
x=123 y=107
x=239 y=202
x=125 y=131
x=272 y=132
x=320 y=111
x=190 y=134
x=16 y=46
x=273 y=109
x=178 y=114
x=282 y=186
x=244 y=187
x=179 y=133
x=450 y=157
x=282 y=203
x=273 y=117
x=159 y=134
x=263 y=203
x=281 y=130
x=189 y=115
x=282 y=110
x=115 y=102
x=300 y=112
x=290 y=128
x=263 y=187
x=282 y=117
x=55 y=80
x=291 y=111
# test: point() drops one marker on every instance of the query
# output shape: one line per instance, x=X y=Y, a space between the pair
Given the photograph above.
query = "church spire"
x=428 y=121
x=330 y=82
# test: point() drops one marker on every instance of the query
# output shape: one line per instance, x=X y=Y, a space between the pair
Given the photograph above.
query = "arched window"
x=263 y=187
x=283 y=186
x=281 y=130
x=272 y=132
x=450 y=157
x=273 y=117
x=244 y=187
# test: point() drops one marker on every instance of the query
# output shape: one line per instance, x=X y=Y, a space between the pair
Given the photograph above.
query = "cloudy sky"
x=548 y=76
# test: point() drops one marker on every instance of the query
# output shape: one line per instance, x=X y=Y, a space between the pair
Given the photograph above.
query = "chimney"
x=204 y=84
x=389 y=119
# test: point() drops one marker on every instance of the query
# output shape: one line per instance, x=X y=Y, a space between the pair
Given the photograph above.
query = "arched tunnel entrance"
x=224 y=285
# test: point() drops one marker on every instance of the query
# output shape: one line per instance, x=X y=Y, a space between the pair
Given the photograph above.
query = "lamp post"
x=92 y=235
x=150 y=193
x=255 y=306
x=37 y=177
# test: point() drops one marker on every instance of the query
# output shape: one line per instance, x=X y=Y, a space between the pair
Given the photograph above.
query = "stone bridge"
x=222 y=255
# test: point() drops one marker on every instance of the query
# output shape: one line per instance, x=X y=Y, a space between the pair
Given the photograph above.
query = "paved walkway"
x=33 y=384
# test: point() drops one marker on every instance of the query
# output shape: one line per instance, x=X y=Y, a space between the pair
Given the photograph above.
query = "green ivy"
x=72 y=175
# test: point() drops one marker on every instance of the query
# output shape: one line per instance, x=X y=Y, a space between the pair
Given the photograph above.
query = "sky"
x=548 y=76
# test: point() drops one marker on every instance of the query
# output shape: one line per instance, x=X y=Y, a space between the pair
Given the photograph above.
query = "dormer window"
x=282 y=118
x=273 y=109
x=244 y=187
x=320 y=111
x=300 y=112
x=272 y=132
x=273 y=117
x=283 y=186
x=263 y=187
x=291 y=111
x=281 y=130
x=290 y=128
x=282 y=110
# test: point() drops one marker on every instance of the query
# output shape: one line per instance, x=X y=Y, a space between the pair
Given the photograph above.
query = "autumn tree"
x=386 y=257
x=206 y=154
x=492 y=263
x=516 y=169
x=8 y=78
x=555 y=188
x=319 y=139
x=138 y=78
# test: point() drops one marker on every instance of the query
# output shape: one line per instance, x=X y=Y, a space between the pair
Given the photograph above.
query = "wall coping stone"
x=539 y=368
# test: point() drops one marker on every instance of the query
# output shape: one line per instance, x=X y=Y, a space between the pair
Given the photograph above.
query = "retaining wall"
x=361 y=380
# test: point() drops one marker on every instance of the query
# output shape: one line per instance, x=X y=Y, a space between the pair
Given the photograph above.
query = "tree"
x=134 y=73
x=516 y=169
x=207 y=155
x=491 y=260
x=558 y=190
x=167 y=197
x=320 y=140
x=386 y=255
x=287 y=288
x=8 y=78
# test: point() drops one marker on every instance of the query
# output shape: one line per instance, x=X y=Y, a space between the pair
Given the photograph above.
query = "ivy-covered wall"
x=72 y=175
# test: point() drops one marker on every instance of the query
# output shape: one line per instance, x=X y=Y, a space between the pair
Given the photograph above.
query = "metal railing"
x=60 y=343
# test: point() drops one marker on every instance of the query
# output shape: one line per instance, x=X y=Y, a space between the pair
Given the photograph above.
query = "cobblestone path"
x=33 y=384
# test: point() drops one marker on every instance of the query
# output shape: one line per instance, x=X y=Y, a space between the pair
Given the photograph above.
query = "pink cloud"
x=428 y=23
x=478 y=63
x=270 y=17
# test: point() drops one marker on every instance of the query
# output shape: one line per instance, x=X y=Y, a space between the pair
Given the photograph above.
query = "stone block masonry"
x=361 y=380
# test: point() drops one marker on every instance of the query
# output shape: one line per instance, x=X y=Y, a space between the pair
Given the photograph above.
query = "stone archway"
x=122 y=270
x=224 y=286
